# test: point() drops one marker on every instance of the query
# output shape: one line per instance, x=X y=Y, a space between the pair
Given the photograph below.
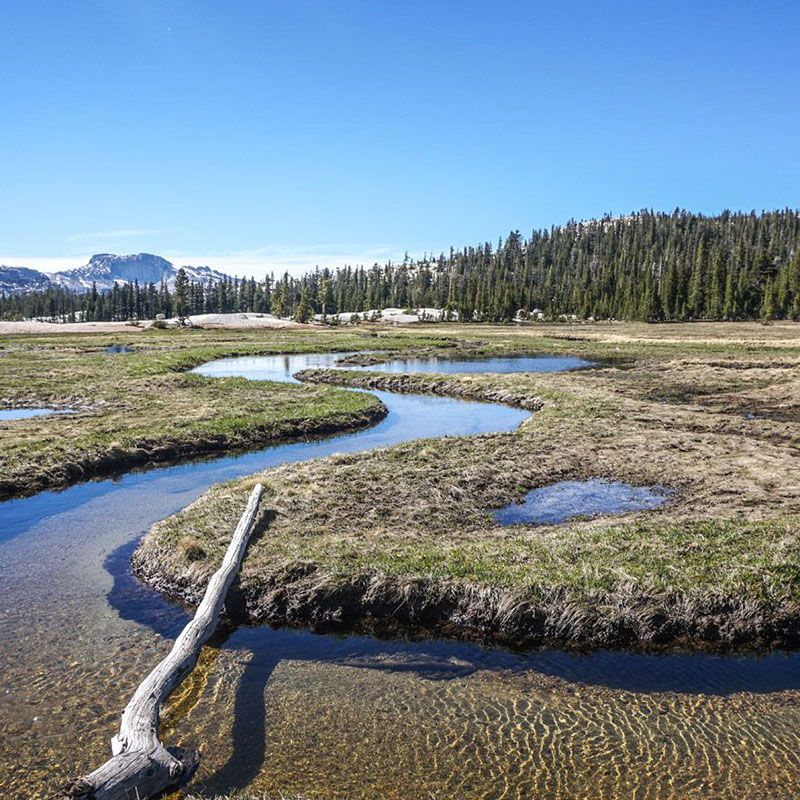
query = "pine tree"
x=768 y=301
x=716 y=295
x=181 y=296
x=696 y=301
x=304 y=310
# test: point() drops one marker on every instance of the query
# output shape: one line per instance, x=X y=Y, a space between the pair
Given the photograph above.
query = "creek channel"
x=333 y=716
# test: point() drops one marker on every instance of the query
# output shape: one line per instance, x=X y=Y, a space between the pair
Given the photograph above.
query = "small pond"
x=119 y=348
x=550 y=505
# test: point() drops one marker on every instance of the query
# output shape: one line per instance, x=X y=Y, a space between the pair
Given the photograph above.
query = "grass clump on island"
x=404 y=535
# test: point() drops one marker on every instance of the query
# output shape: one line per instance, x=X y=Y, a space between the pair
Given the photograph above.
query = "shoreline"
x=419 y=609
x=162 y=452
x=398 y=539
x=413 y=552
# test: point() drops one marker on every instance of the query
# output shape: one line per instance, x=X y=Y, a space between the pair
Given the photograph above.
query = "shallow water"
x=282 y=368
x=504 y=365
x=26 y=413
x=268 y=368
x=561 y=501
x=119 y=348
x=353 y=717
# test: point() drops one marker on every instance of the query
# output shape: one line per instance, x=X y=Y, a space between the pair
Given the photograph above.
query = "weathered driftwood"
x=141 y=766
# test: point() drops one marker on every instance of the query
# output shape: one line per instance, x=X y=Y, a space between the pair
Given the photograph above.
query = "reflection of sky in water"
x=282 y=368
x=477 y=365
x=558 y=502
x=27 y=413
x=410 y=417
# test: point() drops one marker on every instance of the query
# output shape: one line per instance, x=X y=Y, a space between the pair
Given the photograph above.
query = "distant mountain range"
x=104 y=270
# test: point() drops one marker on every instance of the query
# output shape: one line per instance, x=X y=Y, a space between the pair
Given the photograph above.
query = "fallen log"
x=140 y=765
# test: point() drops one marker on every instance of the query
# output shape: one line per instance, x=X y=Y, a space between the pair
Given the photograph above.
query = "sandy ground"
x=240 y=321
x=776 y=334
x=13 y=328
x=226 y=321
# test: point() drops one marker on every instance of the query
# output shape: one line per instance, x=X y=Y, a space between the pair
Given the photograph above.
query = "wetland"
x=393 y=522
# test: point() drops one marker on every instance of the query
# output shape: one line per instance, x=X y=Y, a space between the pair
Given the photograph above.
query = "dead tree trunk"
x=140 y=765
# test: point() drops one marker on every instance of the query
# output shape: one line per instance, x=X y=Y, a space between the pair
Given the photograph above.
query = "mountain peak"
x=104 y=270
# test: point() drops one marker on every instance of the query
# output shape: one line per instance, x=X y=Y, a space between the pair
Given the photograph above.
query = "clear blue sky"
x=255 y=134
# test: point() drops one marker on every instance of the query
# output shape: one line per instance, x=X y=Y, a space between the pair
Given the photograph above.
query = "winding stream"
x=345 y=716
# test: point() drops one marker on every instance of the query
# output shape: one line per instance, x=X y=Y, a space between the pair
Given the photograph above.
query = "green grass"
x=420 y=512
x=143 y=406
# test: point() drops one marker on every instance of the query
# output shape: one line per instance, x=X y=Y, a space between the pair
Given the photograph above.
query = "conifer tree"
x=181 y=296
x=304 y=310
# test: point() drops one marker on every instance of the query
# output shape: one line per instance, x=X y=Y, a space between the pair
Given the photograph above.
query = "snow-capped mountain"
x=104 y=270
x=22 y=279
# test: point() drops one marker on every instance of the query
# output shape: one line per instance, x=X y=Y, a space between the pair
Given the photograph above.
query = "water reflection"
x=509 y=364
x=410 y=417
x=134 y=601
x=550 y=505
x=26 y=413
x=283 y=367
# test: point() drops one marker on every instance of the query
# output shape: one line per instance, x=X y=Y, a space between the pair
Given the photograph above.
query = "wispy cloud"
x=121 y=234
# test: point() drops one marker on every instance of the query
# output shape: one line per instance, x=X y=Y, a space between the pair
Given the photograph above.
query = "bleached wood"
x=140 y=765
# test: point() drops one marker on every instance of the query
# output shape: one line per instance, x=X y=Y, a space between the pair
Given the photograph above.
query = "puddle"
x=26 y=413
x=119 y=348
x=551 y=505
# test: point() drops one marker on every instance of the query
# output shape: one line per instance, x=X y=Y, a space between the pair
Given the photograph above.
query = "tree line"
x=646 y=266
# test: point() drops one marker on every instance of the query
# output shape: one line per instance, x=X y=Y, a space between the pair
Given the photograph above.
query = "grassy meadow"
x=404 y=534
x=143 y=407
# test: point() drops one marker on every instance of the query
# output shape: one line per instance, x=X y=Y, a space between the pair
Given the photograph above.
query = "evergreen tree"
x=644 y=266
x=181 y=295
x=768 y=301
x=304 y=310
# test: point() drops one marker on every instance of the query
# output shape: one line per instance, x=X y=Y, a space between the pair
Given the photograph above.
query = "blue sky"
x=255 y=135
